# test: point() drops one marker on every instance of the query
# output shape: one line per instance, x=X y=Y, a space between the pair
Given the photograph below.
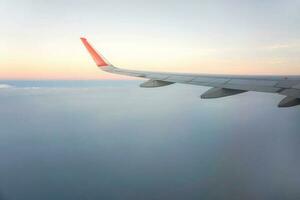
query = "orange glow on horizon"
x=52 y=61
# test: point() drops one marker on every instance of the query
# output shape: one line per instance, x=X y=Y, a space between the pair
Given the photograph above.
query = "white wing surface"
x=222 y=85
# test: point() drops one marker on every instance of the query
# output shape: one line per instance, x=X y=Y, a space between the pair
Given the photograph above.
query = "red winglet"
x=99 y=60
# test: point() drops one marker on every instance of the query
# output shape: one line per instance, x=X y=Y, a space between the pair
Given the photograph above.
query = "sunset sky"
x=40 y=39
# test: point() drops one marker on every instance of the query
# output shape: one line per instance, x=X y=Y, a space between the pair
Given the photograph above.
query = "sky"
x=40 y=39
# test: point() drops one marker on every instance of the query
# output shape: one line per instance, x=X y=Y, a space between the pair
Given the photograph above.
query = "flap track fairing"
x=289 y=102
x=155 y=83
x=220 y=92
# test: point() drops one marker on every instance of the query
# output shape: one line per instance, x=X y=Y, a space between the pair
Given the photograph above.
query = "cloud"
x=4 y=86
x=283 y=46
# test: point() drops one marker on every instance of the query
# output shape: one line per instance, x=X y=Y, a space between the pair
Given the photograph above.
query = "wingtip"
x=99 y=60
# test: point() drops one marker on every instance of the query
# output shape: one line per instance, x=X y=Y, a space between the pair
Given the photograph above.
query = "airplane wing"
x=222 y=85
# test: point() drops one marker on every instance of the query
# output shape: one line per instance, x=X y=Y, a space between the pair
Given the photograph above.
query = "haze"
x=114 y=140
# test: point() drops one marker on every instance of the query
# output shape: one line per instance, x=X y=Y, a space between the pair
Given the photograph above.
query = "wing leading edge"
x=223 y=85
